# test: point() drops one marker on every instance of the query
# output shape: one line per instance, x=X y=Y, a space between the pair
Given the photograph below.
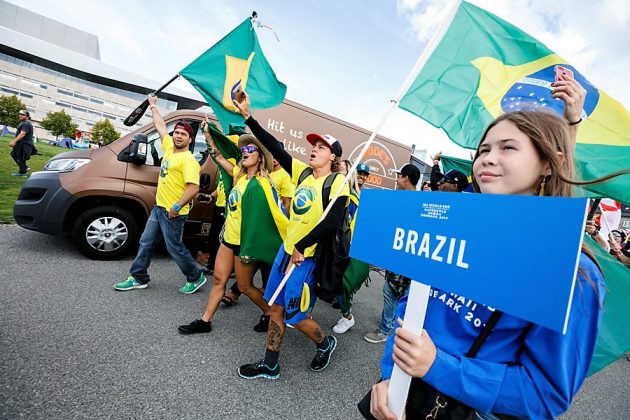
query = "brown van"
x=102 y=197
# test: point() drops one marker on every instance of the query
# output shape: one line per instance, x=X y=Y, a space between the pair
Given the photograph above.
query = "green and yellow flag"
x=235 y=61
x=614 y=335
x=484 y=66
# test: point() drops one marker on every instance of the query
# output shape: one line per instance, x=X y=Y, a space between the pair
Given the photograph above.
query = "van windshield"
x=199 y=150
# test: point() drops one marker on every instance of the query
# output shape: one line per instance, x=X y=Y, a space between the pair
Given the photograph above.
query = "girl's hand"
x=378 y=402
x=414 y=355
x=244 y=107
x=573 y=96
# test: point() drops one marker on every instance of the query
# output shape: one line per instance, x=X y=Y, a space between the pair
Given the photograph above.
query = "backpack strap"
x=328 y=182
x=485 y=332
x=305 y=173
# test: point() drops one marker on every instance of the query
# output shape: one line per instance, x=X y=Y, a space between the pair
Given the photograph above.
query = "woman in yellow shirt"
x=253 y=230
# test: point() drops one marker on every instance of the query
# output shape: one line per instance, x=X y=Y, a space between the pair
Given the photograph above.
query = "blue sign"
x=518 y=254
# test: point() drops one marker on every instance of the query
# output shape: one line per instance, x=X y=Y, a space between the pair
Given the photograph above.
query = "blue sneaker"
x=18 y=174
x=259 y=370
x=129 y=284
x=192 y=287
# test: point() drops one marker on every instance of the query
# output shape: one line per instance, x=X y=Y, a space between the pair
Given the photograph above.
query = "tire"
x=105 y=233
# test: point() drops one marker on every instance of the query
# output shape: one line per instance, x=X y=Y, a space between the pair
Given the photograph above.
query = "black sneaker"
x=322 y=357
x=259 y=370
x=196 y=327
x=263 y=324
x=335 y=305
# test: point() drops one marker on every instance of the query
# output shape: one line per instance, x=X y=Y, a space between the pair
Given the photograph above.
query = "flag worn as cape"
x=484 y=66
x=614 y=335
x=263 y=224
x=227 y=145
x=236 y=61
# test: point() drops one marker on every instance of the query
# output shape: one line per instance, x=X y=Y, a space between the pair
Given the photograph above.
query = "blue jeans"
x=172 y=230
x=390 y=304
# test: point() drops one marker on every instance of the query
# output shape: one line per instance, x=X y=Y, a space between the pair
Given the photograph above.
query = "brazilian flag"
x=484 y=66
x=450 y=162
x=235 y=61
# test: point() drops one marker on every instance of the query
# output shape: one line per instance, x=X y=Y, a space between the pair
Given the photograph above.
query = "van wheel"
x=105 y=233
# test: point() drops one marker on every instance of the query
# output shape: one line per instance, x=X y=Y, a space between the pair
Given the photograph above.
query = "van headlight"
x=65 y=165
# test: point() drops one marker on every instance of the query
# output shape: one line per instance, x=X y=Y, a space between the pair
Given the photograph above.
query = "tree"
x=104 y=130
x=10 y=106
x=59 y=123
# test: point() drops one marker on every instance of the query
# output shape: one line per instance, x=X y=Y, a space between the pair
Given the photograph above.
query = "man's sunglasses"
x=249 y=149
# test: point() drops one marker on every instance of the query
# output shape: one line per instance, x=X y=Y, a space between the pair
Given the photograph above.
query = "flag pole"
x=422 y=60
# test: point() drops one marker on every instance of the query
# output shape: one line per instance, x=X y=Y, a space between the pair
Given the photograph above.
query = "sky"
x=345 y=58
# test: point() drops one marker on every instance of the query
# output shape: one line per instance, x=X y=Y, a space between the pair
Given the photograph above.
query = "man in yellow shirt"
x=177 y=186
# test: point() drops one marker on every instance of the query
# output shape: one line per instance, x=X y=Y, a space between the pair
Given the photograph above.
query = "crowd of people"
x=273 y=220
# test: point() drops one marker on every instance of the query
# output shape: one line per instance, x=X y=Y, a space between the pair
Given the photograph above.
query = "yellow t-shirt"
x=307 y=206
x=177 y=170
x=282 y=180
x=232 y=234
x=220 y=189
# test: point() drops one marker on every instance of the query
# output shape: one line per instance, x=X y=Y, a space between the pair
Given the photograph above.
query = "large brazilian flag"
x=485 y=66
x=235 y=61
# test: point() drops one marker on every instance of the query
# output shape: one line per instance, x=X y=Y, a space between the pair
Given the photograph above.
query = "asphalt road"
x=71 y=347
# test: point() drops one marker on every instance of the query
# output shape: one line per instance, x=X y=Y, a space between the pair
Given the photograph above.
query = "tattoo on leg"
x=274 y=336
x=319 y=335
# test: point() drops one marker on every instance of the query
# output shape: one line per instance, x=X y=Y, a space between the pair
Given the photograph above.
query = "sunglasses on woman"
x=249 y=149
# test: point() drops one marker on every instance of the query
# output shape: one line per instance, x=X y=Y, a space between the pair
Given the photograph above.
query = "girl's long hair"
x=549 y=135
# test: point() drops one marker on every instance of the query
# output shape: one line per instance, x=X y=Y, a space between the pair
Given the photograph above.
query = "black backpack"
x=332 y=254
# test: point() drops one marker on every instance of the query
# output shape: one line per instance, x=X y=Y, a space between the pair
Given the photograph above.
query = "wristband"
x=177 y=207
x=574 y=123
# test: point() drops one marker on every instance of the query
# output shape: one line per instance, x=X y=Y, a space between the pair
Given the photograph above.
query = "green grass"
x=10 y=185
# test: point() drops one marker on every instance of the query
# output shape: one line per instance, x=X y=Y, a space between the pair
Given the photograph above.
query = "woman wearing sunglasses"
x=254 y=229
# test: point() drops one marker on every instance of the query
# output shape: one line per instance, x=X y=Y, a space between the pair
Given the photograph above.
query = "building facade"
x=51 y=67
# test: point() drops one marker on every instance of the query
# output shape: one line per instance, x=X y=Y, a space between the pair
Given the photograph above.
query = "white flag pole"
x=418 y=299
x=424 y=57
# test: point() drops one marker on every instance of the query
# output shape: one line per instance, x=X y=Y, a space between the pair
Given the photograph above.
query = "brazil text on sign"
x=466 y=244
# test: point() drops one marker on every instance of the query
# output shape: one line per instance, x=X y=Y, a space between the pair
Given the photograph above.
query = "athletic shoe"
x=343 y=325
x=259 y=370
x=189 y=287
x=130 y=283
x=263 y=324
x=335 y=305
x=375 y=337
x=207 y=271
x=322 y=357
x=18 y=174
x=196 y=327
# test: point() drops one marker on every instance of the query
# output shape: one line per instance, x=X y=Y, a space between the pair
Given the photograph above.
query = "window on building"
x=96 y=101
x=7 y=76
x=85 y=98
x=26 y=95
x=9 y=90
x=64 y=105
x=64 y=92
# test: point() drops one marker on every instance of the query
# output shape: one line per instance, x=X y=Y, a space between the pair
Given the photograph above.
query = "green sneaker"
x=193 y=287
x=130 y=283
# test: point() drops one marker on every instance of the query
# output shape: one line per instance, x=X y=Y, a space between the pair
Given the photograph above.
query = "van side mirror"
x=204 y=182
x=138 y=149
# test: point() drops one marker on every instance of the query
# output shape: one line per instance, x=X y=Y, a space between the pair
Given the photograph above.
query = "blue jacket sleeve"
x=542 y=379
